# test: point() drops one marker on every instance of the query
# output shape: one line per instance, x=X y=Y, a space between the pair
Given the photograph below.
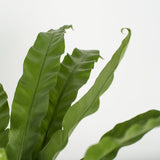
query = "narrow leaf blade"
x=74 y=73
x=89 y=103
x=30 y=103
x=123 y=134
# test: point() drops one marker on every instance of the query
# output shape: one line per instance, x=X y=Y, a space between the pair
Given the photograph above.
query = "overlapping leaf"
x=30 y=103
x=4 y=117
x=88 y=104
x=123 y=134
x=74 y=72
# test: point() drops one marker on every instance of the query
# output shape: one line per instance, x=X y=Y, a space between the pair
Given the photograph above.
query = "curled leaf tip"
x=123 y=29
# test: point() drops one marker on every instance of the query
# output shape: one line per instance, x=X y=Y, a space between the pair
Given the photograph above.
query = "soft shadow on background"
x=97 y=25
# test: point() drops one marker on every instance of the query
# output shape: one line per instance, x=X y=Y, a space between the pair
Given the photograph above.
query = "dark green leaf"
x=30 y=104
x=88 y=104
x=123 y=134
x=4 y=138
x=74 y=72
x=4 y=110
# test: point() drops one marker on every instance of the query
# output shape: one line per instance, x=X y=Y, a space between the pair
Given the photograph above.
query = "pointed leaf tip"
x=63 y=28
x=66 y=27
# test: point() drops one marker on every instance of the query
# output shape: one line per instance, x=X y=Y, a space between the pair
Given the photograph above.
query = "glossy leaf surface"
x=31 y=99
x=123 y=134
x=4 y=110
x=87 y=105
x=74 y=72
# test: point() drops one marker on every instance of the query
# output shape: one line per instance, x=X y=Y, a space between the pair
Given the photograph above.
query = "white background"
x=97 y=24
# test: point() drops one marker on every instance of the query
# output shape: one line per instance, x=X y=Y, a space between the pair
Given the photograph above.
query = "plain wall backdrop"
x=97 y=25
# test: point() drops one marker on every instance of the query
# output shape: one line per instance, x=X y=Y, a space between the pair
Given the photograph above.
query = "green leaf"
x=4 y=110
x=74 y=72
x=4 y=118
x=2 y=154
x=30 y=104
x=4 y=138
x=88 y=104
x=123 y=134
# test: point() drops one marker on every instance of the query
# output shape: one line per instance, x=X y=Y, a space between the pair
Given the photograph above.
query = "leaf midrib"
x=125 y=140
x=87 y=109
x=63 y=90
x=32 y=101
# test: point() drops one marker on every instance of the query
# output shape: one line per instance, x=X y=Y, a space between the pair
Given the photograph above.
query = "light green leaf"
x=74 y=72
x=2 y=154
x=4 y=110
x=88 y=104
x=123 y=134
x=30 y=104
